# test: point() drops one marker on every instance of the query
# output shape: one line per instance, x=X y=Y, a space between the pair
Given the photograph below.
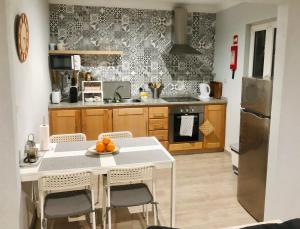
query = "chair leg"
x=155 y=212
x=43 y=223
x=147 y=215
x=109 y=218
x=144 y=213
x=94 y=219
x=104 y=209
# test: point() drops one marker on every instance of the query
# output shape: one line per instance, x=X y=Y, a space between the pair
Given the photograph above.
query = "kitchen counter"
x=149 y=102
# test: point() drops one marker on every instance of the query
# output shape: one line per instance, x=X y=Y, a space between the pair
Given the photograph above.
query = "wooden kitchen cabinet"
x=65 y=121
x=159 y=124
x=95 y=122
x=134 y=120
x=216 y=115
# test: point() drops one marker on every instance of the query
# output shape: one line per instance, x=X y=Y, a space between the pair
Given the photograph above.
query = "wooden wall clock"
x=23 y=37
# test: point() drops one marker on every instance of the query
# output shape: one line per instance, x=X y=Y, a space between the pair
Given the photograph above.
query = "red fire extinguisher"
x=234 y=53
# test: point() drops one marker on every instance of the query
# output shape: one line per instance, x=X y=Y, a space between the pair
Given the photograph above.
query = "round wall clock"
x=23 y=37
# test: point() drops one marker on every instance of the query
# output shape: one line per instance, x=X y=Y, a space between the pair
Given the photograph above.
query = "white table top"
x=73 y=156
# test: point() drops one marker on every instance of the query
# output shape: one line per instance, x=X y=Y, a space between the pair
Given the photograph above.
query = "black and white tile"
x=145 y=37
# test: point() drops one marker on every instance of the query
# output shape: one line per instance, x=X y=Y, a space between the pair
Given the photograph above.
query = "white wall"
x=233 y=21
x=283 y=186
x=9 y=185
x=24 y=90
x=31 y=82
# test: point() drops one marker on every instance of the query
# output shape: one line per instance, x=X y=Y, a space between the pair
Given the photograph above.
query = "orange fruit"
x=100 y=147
x=106 y=140
x=110 y=147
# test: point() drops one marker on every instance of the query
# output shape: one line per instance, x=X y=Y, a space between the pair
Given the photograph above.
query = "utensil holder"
x=156 y=92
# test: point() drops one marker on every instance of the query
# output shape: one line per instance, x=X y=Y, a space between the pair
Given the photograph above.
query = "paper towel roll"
x=44 y=137
x=77 y=62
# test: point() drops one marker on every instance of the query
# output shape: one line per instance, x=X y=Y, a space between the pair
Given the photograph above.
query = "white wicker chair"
x=127 y=187
x=116 y=135
x=57 y=201
x=78 y=137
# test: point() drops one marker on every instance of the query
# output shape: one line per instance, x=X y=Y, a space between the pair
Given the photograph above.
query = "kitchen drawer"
x=158 y=112
x=161 y=135
x=158 y=124
x=130 y=111
x=186 y=146
x=165 y=144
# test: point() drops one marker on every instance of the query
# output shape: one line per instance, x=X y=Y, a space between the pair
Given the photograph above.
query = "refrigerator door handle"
x=254 y=114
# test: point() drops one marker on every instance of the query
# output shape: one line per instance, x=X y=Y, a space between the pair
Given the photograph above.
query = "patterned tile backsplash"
x=145 y=37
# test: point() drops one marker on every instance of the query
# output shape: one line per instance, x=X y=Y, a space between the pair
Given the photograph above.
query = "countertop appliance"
x=253 y=146
x=73 y=94
x=55 y=97
x=180 y=99
x=204 y=91
x=61 y=62
x=175 y=114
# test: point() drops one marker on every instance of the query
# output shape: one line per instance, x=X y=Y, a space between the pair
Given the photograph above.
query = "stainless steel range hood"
x=180 y=26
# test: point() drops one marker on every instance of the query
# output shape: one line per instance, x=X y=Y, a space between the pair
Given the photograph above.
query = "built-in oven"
x=175 y=117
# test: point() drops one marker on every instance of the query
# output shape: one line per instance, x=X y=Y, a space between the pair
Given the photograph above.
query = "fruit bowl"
x=93 y=150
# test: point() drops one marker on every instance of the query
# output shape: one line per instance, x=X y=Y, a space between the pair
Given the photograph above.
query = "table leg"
x=173 y=176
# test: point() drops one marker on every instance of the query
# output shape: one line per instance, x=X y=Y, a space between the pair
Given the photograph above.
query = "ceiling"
x=210 y=6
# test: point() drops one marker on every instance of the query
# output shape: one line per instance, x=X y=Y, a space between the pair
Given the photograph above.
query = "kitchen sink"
x=122 y=101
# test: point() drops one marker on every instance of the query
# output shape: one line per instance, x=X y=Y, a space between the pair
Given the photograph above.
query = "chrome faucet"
x=117 y=96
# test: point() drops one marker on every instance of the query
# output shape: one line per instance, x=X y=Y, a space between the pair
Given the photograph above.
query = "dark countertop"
x=148 y=102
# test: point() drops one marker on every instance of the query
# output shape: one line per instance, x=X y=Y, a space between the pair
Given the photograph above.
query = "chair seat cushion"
x=130 y=195
x=64 y=204
x=291 y=224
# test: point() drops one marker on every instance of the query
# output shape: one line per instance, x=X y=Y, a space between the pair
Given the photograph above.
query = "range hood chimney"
x=180 y=26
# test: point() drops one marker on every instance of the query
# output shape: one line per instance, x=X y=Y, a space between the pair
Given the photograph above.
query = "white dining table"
x=74 y=156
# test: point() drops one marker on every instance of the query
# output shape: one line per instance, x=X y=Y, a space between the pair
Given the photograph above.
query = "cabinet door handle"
x=158 y=115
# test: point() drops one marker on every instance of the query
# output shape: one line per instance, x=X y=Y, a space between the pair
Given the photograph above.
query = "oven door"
x=176 y=128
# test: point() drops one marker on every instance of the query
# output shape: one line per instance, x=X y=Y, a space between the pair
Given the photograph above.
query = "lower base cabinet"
x=216 y=115
x=65 y=121
x=141 y=121
x=95 y=122
x=134 y=120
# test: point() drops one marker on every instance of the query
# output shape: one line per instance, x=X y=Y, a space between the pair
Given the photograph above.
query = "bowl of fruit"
x=104 y=146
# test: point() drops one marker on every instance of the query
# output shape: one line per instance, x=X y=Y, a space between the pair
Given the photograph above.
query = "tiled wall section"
x=145 y=36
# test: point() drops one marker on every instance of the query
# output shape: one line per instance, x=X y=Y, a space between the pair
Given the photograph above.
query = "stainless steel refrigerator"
x=254 y=141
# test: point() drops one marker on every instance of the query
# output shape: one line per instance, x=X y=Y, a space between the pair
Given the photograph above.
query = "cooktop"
x=180 y=99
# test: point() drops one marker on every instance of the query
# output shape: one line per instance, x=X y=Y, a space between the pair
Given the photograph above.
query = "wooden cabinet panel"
x=95 y=122
x=131 y=119
x=216 y=115
x=186 y=146
x=65 y=121
x=161 y=135
x=158 y=112
x=165 y=144
x=130 y=111
x=158 y=124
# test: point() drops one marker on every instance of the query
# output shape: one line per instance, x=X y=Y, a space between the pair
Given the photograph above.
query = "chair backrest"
x=130 y=175
x=116 y=135
x=67 y=181
x=78 y=137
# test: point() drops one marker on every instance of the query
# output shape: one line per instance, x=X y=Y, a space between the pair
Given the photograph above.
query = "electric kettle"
x=204 y=91
x=55 y=97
